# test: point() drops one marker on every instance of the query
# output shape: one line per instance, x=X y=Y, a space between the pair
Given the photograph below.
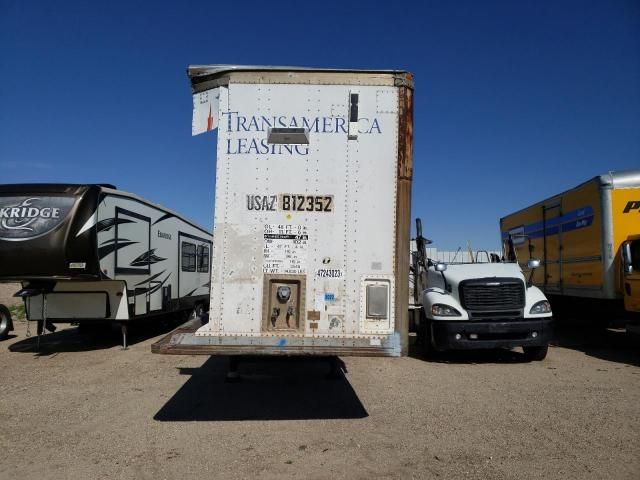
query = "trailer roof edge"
x=613 y=179
x=621 y=179
x=205 y=77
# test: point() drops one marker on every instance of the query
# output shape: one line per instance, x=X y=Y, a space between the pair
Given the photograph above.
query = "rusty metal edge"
x=403 y=214
x=253 y=350
x=164 y=347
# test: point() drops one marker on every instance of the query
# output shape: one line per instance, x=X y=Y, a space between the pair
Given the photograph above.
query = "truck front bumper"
x=460 y=335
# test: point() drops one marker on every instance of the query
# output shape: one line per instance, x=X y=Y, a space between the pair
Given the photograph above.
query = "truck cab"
x=631 y=282
x=480 y=305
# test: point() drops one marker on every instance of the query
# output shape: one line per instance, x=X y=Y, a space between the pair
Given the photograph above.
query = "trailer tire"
x=535 y=354
x=6 y=325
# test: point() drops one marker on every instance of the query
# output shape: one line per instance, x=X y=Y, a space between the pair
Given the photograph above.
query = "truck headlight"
x=441 y=310
x=541 y=307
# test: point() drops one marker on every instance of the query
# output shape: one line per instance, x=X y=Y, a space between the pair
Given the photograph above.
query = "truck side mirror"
x=627 y=266
x=533 y=263
x=441 y=267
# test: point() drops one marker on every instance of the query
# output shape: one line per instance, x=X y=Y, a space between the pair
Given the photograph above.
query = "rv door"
x=631 y=275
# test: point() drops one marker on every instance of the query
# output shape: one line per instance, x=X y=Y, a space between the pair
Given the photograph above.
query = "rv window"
x=188 y=257
x=203 y=258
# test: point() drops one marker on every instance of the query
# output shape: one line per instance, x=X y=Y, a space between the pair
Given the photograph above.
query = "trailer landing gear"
x=233 y=376
x=124 y=328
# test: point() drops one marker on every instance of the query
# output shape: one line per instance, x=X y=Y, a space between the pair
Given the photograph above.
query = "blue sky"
x=515 y=100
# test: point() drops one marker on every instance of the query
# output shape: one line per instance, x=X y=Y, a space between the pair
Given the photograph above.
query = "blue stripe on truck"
x=575 y=219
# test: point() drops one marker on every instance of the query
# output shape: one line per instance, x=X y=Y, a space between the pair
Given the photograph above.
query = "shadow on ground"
x=290 y=388
x=493 y=355
x=72 y=339
x=612 y=344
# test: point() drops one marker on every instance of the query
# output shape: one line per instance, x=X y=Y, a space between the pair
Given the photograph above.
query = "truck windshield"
x=463 y=258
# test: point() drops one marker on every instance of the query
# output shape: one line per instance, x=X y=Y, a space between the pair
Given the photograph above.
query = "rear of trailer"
x=581 y=236
x=312 y=211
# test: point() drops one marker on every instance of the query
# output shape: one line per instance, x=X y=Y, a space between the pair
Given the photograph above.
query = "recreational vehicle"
x=312 y=211
x=92 y=253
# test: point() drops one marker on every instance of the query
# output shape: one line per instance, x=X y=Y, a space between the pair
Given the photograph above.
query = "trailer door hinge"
x=354 y=98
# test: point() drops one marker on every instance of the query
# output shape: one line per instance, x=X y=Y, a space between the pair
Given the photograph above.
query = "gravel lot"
x=82 y=408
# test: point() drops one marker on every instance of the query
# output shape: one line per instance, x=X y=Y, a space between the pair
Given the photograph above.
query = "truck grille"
x=492 y=294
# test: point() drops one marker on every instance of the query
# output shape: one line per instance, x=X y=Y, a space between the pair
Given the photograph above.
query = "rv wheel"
x=5 y=322
x=198 y=311
x=535 y=353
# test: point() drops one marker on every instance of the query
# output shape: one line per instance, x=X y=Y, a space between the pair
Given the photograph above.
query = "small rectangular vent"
x=280 y=136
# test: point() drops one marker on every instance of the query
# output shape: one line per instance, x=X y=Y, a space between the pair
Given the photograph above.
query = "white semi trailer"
x=312 y=211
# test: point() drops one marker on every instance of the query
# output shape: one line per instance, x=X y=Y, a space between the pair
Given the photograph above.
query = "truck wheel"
x=5 y=322
x=535 y=353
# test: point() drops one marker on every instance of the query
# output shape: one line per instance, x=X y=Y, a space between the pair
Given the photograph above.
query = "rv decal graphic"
x=108 y=223
x=632 y=205
x=147 y=258
x=159 y=285
x=152 y=289
x=25 y=218
x=150 y=278
x=206 y=285
x=112 y=245
x=164 y=217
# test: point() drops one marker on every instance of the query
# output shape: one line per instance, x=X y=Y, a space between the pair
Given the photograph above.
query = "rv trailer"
x=92 y=253
x=312 y=211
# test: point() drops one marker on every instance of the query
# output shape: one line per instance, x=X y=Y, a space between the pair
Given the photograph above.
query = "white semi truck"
x=478 y=305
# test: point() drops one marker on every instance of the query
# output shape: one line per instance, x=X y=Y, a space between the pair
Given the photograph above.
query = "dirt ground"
x=82 y=408
x=6 y=294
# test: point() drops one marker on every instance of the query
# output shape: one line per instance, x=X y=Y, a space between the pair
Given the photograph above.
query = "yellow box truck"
x=588 y=239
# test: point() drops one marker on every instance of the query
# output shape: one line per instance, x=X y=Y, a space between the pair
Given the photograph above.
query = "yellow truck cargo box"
x=585 y=237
